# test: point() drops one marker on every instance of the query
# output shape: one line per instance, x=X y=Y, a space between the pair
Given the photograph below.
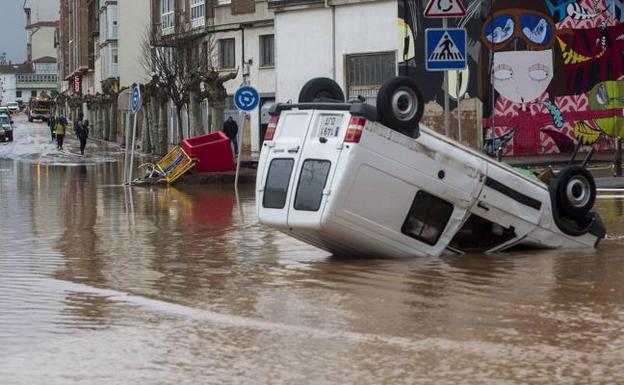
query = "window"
x=18 y=94
x=223 y=2
x=312 y=182
x=33 y=93
x=226 y=53
x=427 y=218
x=278 y=180
x=479 y=234
x=367 y=72
x=111 y=18
x=167 y=15
x=198 y=13
x=267 y=56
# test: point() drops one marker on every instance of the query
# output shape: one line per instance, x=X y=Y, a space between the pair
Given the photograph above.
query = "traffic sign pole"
x=135 y=106
x=447 y=104
x=435 y=61
x=459 y=111
x=246 y=99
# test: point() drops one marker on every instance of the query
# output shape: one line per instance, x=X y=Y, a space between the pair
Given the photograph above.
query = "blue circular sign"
x=135 y=99
x=246 y=99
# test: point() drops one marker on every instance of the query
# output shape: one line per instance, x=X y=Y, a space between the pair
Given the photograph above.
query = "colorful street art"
x=549 y=73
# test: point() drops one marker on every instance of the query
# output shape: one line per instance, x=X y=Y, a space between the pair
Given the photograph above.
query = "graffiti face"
x=522 y=76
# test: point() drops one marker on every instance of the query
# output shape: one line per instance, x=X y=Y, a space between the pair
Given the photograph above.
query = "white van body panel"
x=371 y=186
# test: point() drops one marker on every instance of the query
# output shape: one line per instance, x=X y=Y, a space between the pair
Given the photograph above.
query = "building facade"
x=8 y=84
x=41 y=79
x=134 y=21
x=229 y=36
x=74 y=43
x=40 y=76
x=351 y=42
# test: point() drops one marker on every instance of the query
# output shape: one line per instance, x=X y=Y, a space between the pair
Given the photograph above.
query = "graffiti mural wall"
x=548 y=73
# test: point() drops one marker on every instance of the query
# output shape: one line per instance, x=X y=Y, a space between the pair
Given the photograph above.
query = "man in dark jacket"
x=230 y=128
x=51 y=124
x=82 y=132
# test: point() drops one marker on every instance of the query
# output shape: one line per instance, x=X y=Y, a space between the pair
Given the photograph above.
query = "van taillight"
x=270 y=131
x=354 y=132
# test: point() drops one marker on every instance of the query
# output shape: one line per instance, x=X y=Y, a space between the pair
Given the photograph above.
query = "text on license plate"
x=329 y=125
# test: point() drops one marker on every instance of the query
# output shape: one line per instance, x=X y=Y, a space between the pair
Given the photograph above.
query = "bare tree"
x=175 y=77
x=183 y=70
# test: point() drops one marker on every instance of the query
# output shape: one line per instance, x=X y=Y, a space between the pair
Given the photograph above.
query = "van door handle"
x=294 y=150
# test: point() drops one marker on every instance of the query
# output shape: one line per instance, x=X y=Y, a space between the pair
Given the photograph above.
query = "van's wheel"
x=400 y=105
x=575 y=192
x=321 y=88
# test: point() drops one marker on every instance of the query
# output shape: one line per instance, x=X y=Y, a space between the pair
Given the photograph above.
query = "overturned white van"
x=353 y=179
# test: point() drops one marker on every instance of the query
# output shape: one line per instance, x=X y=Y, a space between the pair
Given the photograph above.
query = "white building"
x=236 y=36
x=42 y=78
x=251 y=49
x=42 y=73
x=338 y=39
x=109 y=29
x=41 y=23
x=7 y=87
x=42 y=10
x=134 y=24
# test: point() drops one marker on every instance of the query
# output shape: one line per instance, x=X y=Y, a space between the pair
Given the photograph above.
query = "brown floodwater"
x=101 y=284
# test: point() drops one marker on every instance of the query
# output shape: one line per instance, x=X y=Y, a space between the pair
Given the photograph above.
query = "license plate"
x=329 y=125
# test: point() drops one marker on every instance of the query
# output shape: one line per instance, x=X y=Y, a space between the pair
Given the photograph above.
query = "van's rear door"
x=279 y=159
x=317 y=166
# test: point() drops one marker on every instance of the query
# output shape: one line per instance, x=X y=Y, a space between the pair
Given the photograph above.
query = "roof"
x=45 y=59
x=16 y=68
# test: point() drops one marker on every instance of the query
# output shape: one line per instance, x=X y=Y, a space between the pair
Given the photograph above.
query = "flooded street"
x=101 y=284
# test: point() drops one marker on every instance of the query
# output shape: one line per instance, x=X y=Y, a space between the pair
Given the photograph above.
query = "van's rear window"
x=277 y=182
x=427 y=218
x=312 y=181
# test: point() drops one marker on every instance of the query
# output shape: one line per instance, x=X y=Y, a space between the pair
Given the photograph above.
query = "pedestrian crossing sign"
x=445 y=49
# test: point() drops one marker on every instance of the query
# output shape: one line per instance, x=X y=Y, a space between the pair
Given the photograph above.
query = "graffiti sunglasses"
x=536 y=29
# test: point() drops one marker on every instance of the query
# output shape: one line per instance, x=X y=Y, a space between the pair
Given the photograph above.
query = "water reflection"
x=175 y=284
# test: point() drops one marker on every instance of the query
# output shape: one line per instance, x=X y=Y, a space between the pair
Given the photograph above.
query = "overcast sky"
x=12 y=32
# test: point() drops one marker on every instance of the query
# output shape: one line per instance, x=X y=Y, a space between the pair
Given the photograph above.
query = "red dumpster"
x=213 y=152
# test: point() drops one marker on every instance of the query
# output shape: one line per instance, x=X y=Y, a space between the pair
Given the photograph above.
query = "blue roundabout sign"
x=135 y=99
x=246 y=99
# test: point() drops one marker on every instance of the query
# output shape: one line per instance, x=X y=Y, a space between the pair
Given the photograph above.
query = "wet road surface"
x=101 y=284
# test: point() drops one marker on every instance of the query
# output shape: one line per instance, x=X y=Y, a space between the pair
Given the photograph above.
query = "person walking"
x=59 y=129
x=51 y=124
x=82 y=132
x=230 y=128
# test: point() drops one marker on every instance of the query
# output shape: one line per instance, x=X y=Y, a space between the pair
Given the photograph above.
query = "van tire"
x=575 y=192
x=400 y=105
x=321 y=88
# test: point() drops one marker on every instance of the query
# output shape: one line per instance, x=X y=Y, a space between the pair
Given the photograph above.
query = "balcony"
x=37 y=81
